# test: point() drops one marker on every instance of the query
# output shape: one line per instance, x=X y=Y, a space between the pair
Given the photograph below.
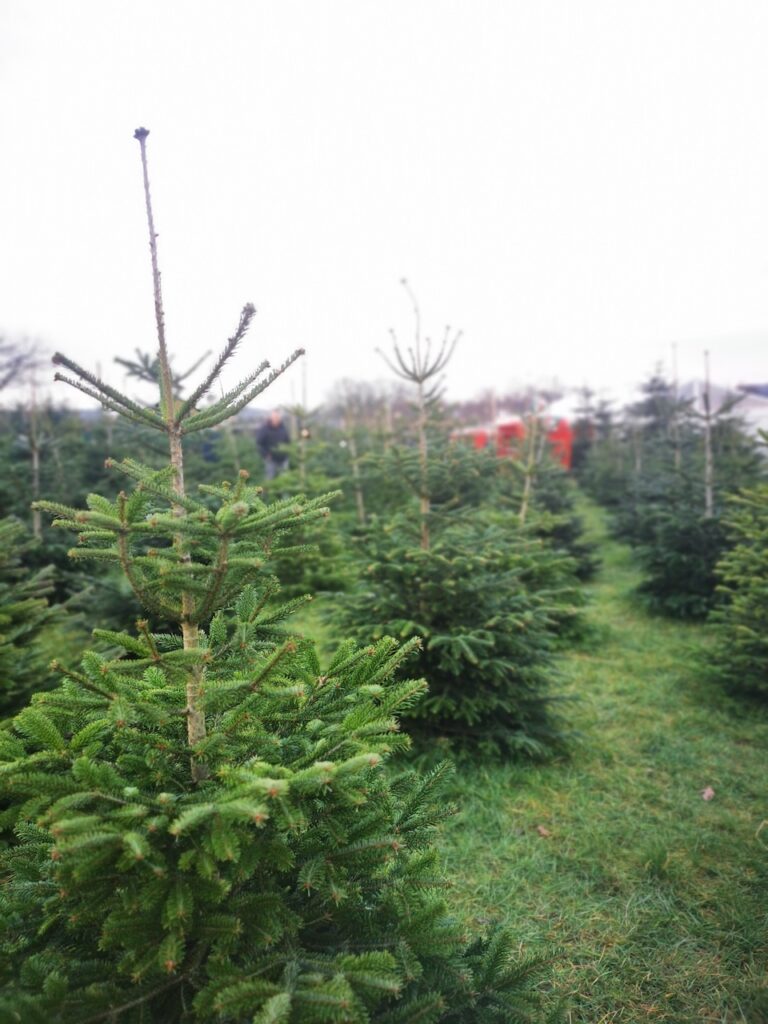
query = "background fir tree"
x=481 y=590
x=670 y=485
x=24 y=614
x=534 y=486
x=204 y=829
x=72 y=450
x=312 y=560
x=741 y=621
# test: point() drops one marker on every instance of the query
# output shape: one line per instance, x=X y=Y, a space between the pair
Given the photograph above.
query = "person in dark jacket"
x=271 y=438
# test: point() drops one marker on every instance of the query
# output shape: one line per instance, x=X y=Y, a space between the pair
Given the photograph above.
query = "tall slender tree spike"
x=166 y=377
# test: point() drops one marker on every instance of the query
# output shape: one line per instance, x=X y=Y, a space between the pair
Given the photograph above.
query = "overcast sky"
x=577 y=184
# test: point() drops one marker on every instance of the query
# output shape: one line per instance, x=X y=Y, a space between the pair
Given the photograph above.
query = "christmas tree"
x=741 y=622
x=205 y=829
x=484 y=592
x=24 y=612
x=677 y=468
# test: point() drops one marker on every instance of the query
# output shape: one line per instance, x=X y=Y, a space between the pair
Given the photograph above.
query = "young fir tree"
x=442 y=567
x=24 y=613
x=602 y=470
x=535 y=486
x=741 y=622
x=679 y=466
x=71 y=466
x=204 y=829
x=313 y=558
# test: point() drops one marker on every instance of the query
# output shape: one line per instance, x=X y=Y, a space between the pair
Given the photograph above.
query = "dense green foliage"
x=553 y=515
x=486 y=616
x=490 y=596
x=297 y=883
x=24 y=613
x=665 y=471
x=295 y=880
x=741 y=656
x=204 y=828
x=313 y=558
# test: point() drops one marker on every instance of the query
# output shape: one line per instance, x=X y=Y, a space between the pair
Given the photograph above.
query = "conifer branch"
x=206 y=420
x=247 y=314
x=142 y=591
x=111 y=1014
x=105 y=402
x=226 y=399
x=213 y=590
x=147 y=369
x=81 y=680
x=103 y=391
x=143 y=627
x=147 y=483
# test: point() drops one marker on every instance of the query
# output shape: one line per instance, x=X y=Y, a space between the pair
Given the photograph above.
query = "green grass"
x=656 y=899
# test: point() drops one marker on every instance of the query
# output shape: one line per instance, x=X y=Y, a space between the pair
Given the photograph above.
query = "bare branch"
x=15 y=360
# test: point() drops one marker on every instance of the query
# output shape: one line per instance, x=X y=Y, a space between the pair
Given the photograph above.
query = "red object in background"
x=561 y=438
x=509 y=436
x=506 y=437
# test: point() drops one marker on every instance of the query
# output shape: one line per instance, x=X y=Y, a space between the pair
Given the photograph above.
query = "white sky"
x=575 y=183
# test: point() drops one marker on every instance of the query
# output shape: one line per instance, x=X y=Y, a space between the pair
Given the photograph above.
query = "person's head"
x=275 y=417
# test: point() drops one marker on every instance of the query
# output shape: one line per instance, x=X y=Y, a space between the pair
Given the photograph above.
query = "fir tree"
x=741 y=622
x=678 y=466
x=24 y=613
x=204 y=829
x=484 y=593
x=422 y=366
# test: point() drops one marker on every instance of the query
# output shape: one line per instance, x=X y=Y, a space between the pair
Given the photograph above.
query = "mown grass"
x=655 y=898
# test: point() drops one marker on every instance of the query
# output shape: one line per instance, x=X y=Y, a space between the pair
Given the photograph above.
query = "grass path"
x=657 y=898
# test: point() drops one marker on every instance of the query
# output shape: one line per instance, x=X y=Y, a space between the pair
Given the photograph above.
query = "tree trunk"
x=424 y=502
x=357 y=482
x=196 y=728
x=709 y=462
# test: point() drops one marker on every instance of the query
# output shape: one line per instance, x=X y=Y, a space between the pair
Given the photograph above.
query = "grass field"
x=655 y=897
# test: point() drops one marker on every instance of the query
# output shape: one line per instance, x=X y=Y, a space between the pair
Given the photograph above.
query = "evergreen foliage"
x=487 y=602
x=552 y=513
x=314 y=559
x=666 y=473
x=204 y=828
x=456 y=475
x=678 y=547
x=296 y=878
x=741 y=621
x=24 y=612
x=446 y=561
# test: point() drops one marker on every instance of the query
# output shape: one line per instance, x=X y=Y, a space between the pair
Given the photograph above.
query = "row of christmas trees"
x=685 y=484
x=205 y=825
